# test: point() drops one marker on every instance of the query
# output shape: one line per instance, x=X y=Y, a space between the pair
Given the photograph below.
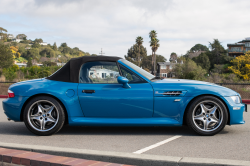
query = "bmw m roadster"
x=111 y=91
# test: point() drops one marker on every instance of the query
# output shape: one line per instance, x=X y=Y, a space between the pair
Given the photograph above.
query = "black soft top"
x=70 y=71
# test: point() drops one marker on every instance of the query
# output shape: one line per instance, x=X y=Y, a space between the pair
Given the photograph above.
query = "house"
x=195 y=54
x=10 y=36
x=164 y=69
x=239 y=48
x=60 y=64
x=100 y=73
x=21 y=64
x=43 y=44
x=17 y=40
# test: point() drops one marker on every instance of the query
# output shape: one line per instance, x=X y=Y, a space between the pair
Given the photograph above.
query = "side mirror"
x=124 y=81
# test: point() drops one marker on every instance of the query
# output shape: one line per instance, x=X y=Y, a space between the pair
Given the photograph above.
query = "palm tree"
x=2 y=29
x=139 y=41
x=154 y=44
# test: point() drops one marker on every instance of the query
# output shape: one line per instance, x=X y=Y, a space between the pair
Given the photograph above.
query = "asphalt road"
x=232 y=143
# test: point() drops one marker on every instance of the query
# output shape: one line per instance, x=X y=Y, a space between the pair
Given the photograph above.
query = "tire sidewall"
x=190 y=114
x=59 y=124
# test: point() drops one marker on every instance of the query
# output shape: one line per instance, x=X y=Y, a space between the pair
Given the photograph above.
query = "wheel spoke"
x=205 y=124
x=51 y=119
x=203 y=108
x=213 y=110
x=50 y=109
x=199 y=117
x=214 y=119
x=40 y=109
x=35 y=117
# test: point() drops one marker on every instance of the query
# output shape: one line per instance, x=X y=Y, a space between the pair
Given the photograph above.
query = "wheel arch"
x=44 y=94
x=190 y=102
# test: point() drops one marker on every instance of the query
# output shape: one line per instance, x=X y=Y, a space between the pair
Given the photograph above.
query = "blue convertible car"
x=110 y=91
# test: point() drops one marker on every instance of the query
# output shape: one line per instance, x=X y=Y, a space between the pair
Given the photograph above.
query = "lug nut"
x=47 y=114
x=45 y=118
x=41 y=118
x=204 y=118
x=211 y=114
x=209 y=119
x=203 y=113
x=207 y=111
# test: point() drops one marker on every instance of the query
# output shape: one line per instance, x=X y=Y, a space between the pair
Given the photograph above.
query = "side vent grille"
x=172 y=93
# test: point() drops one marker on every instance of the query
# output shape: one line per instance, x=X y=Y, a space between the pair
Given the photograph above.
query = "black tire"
x=196 y=119
x=33 y=124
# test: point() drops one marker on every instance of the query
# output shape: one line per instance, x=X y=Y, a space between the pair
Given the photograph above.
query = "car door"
x=100 y=95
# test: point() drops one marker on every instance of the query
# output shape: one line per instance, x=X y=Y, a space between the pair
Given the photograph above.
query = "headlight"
x=236 y=99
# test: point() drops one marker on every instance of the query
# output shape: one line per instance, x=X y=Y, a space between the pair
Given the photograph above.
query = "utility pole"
x=101 y=53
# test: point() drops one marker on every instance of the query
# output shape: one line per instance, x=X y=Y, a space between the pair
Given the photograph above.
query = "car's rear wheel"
x=44 y=115
x=207 y=115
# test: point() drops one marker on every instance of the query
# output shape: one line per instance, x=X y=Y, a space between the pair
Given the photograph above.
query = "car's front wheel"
x=207 y=115
x=44 y=115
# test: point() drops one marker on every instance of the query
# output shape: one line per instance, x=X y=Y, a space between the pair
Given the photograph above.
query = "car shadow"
x=19 y=128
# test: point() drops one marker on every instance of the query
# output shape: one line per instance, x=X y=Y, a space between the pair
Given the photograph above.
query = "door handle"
x=88 y=91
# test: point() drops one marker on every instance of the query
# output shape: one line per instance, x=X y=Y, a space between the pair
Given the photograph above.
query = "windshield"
x=138 y=69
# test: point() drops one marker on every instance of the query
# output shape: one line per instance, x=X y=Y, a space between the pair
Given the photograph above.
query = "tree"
x=173 y=57
x=146 y=61
x=3 y=35
x=241 y=66
x=3 y=30
x=55 y=47
x=217 y=54
x=203 y=61
x=29 y=64
x=36 y=45
x=134 y=52
x=152 y=36
x=6 y=56
x=21 y=36
x=64 y=45
x=38 y=41
x=15 y=52
x=33 y=53
x=189 y=70
x=139 y=41
x=199 y=47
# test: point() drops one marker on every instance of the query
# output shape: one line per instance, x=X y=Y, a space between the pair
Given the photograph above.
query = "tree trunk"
x=139 y=57
x=152 y=62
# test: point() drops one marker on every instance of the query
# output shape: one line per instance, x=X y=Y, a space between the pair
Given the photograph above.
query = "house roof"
x=70 y=71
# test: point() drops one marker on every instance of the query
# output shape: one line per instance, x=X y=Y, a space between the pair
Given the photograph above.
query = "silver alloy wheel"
x=207 y=116
x=43 y=115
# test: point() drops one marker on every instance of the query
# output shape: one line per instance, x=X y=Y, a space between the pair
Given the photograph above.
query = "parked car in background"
x=110 y=91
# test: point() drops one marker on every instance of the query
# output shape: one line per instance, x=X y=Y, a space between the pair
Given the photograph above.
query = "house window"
x=103 y=75
x=164 y=74
x=236 y=49
x=112 y=75
x=163 y=67
x=170 y=67
x=247 y=44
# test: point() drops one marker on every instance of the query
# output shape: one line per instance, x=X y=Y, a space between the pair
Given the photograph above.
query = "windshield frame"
x=146 y=75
